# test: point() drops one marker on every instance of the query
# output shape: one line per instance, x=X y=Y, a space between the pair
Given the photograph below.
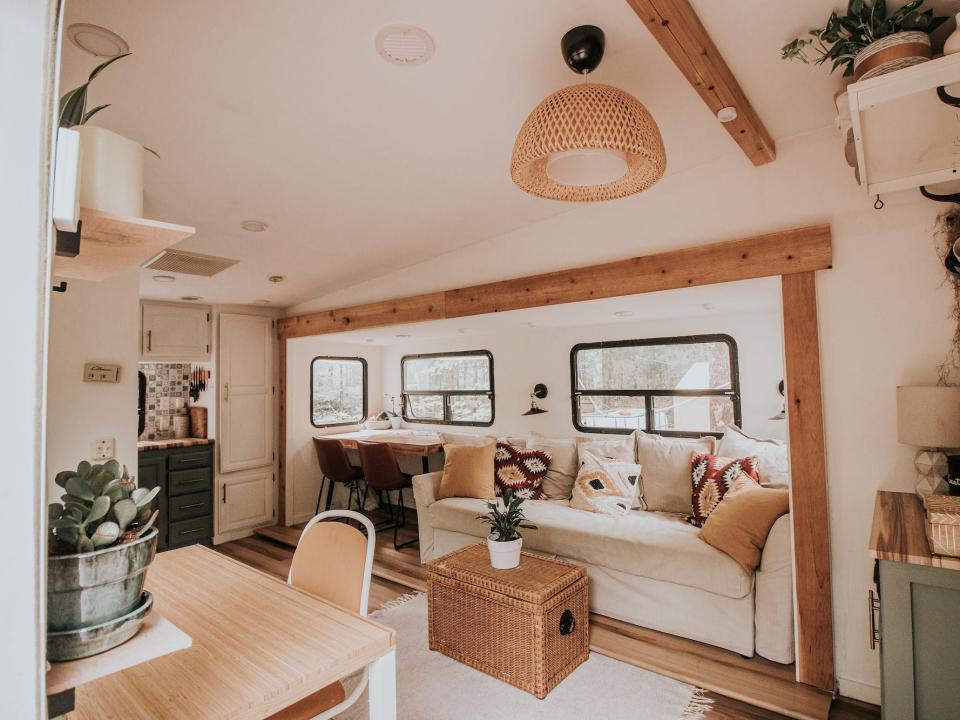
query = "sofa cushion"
x=666 y=470
x=713 y=476
x=605 y=486
x=468 y=472
x=520 y=470
x=618 y=447
x=655 y=545
x=558 y=483
x=772 y=454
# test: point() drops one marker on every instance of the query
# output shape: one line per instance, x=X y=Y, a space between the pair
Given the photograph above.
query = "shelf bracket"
x=61 y=287
x=946 y=97
x=946 y=197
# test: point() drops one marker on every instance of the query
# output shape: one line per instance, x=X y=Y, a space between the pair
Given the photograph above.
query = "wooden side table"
x=528 y=626
x=918 y=598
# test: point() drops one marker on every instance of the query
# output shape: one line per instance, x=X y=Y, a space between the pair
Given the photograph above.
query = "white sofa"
x=646 y=568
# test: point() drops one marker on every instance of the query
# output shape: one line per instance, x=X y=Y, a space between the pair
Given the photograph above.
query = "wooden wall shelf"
x=109 y=244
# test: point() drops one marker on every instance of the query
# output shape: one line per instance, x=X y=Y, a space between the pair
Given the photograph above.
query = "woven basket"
x=528 y=626
x=893 y=52
x=943 y=524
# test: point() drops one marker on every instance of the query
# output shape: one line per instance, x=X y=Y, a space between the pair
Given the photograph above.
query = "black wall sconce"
x=782 y=415
x=539 y=391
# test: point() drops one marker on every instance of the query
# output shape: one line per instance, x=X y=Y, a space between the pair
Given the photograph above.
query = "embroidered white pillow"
x=606 y=485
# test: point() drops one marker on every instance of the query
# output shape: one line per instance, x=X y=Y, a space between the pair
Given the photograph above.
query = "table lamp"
x=929 y=418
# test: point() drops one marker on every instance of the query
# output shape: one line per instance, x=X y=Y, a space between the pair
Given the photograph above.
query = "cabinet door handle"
x=191 y=532
x=226 y=392
x=189 y=507
x=149 y=340
x=873 y=610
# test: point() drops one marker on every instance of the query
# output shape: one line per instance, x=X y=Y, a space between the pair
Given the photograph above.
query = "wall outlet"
x=104 y=448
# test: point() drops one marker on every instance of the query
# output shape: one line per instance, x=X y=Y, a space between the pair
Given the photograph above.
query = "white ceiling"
x=284 y=112
x=762 y=294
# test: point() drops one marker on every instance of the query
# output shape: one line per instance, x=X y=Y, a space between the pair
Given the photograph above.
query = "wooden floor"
x=728 y=677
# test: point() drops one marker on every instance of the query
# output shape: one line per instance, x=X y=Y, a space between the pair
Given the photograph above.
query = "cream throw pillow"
x=465 y=439
x=773 y=455
x=606 y=485
x=558 y=482
x=666 y=470
x=468 y=471
x=621 y=447
x=740 y=524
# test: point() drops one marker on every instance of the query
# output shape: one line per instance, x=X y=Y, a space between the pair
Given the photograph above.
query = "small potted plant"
x=391 y=414
x=111 y=166
x=505 y=518
x=100 y=544
x=378 y=422
x=866 y=41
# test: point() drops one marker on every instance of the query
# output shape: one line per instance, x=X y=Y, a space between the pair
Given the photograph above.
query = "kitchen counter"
x=143 y=445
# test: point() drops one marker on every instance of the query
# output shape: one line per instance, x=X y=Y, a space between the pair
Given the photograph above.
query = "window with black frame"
x=681 y=386
x=338 y=391
x=448 y=388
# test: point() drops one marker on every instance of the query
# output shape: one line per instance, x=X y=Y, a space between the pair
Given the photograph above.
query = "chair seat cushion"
x=313 y=704
x=655 y=545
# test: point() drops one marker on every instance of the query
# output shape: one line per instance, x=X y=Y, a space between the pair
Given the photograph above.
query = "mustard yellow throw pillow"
x=740 y=524
x=468 y=472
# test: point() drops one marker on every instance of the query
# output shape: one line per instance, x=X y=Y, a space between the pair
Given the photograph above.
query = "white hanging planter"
x=111 y=172
x=504 y=555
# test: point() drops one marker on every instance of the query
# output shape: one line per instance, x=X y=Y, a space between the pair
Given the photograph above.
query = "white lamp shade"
x=928 y=417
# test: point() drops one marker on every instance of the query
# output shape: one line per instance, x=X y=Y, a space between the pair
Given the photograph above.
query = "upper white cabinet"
x=169 y=331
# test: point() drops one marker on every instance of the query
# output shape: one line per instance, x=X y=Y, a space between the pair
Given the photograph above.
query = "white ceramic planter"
x=111 y=172
x=395 y=421
x=952 y=44
x=893 y=52
x=504 y=555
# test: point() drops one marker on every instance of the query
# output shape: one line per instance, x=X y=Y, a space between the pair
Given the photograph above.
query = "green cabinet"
x=185 y=501
x=920 y=641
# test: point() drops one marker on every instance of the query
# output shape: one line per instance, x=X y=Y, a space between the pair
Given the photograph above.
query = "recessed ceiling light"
x=163 y=278
x=191 y=298
x=369 y=340
x=707 y=306
x=623 y=313
x=276 y=278
x=531 y=324
x=254 y=225
x=97 y=40
x=261 y=302
x=727 y=114
x=405 y=45
x=401 y=336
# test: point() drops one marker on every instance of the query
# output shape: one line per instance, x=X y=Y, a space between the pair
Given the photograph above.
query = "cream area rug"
x=431 y=686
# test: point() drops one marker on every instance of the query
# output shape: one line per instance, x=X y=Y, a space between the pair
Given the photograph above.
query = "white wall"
x=303 y=472
x=884 y=315
x=523 y=357
x=92 y=322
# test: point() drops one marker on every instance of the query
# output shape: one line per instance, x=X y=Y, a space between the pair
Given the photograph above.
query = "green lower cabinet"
x=920 y=641
x=151 y=473
x=185 y=502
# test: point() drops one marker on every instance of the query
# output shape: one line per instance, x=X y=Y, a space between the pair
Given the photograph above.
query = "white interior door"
x=246 y=392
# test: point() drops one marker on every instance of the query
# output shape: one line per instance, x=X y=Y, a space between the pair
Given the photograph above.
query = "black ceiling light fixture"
x=539 y=391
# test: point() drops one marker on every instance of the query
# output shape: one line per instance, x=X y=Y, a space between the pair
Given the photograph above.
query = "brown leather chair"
x=382 y=473
x=335 y=467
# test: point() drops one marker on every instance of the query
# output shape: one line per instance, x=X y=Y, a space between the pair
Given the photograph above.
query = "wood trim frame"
x=793 y=254
x=675 y=25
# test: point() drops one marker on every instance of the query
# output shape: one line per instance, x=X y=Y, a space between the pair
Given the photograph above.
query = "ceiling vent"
x=177 y=261
x=405 y=45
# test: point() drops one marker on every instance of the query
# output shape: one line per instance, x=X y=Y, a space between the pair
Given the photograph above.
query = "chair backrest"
x=380 y=468
x=334 y=560
x=333 y=460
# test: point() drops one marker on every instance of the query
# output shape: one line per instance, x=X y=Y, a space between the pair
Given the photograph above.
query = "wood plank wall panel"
x=675 y=25
x=808 y=487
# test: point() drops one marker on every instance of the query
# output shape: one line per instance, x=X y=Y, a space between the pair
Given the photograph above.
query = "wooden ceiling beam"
x=675 y=25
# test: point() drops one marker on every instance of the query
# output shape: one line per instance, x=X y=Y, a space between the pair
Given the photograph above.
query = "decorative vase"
x=893 y=52
x=504 y=555
x=395 y=421
x=111 y=172
x=952 y=43
x=377 y=425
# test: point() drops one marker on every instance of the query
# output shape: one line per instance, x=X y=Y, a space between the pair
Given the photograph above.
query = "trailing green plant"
x=386 y=415
x=865 y=21
x=505 y=517
x=101 y=507
x=73 y=104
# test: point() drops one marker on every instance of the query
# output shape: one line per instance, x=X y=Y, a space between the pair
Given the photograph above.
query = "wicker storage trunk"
x=943 y=524
x=528 y=626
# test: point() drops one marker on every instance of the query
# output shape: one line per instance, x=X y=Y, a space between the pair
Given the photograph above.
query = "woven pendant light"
x=587 y=142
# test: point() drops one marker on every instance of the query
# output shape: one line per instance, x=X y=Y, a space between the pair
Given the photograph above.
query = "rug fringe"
x=397 y=602
x=698 y=706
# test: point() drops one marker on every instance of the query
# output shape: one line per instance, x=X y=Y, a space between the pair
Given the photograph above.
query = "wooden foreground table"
x=259 y=645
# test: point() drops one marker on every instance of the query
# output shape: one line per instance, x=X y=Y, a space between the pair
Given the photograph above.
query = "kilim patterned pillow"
x=712 y=476
x=521 y=470
x=606 y=485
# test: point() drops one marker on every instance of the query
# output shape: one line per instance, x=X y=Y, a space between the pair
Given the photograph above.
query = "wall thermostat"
x=101 y=372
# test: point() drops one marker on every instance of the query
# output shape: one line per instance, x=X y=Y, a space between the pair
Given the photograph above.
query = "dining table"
x=403 y=442
x=258 y=646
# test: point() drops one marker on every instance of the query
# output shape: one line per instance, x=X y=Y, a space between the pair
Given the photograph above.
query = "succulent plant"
x=101 y=507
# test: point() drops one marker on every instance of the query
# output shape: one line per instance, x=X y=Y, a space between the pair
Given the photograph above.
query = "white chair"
x=333 y=561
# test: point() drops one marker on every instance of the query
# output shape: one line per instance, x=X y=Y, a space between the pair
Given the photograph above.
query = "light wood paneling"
x=779 y=253
x=259 y=645
x=808 y=486
x=675 y=25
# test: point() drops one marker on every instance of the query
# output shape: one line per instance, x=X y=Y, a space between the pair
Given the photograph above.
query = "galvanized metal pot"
x=75 y=644
x=92 y=588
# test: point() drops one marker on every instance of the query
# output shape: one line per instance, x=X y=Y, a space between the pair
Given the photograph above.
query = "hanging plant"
x=946 y=234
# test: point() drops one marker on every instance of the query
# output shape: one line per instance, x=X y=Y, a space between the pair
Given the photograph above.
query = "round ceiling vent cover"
x=97 y=40
x=405 y=45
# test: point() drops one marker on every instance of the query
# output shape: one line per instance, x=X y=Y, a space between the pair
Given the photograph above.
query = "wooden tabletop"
x=259 y=645
x=410 y=442
x=898 y=532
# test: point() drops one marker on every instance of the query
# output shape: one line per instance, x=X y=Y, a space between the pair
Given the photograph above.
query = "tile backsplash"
x=168 y=392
